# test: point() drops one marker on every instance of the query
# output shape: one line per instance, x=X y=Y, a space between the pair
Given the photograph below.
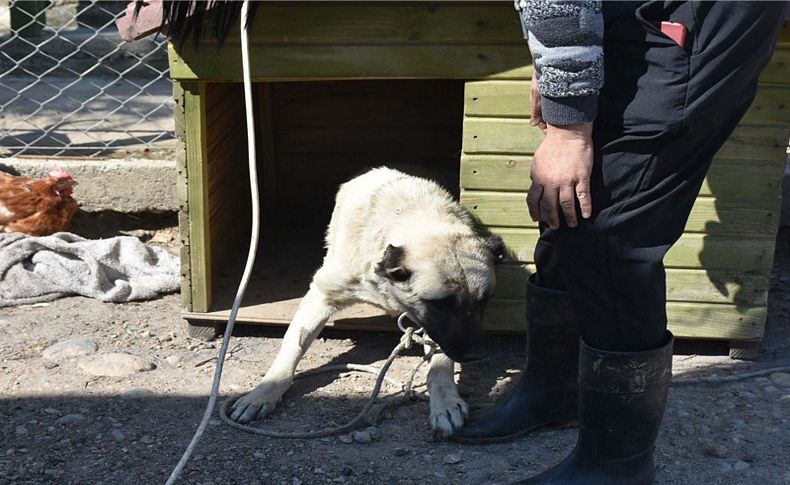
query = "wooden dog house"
x=342 y=86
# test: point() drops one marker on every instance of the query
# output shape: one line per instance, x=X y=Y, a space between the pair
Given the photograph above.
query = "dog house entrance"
x=312 y=136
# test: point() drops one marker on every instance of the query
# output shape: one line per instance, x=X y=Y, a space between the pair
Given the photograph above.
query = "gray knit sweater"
x=565 y=38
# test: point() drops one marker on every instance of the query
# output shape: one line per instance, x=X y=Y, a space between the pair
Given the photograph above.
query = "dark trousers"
x=664 y=111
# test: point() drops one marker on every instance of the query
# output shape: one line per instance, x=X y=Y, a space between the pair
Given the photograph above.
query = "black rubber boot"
x=622 y=396
x=547 y=392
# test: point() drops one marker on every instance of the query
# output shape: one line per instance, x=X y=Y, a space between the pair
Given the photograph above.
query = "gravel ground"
x=119 y=396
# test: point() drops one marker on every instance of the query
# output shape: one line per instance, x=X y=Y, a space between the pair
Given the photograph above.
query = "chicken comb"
x=59 y=173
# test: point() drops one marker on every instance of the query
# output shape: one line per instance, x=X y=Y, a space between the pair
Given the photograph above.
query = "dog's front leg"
x=313 y=312
x=448 y=410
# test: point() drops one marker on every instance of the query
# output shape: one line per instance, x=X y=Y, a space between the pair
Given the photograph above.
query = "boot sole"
x=561 y=424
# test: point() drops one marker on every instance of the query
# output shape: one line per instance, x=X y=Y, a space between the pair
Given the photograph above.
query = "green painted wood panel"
x=760 y=179
x=709 y=214
x=743 y=288
x=383 y=22
x=514 y=136
x=197 y=194
x=709 y=252
x=686 y=320
x=506 y=99
x=336 y=62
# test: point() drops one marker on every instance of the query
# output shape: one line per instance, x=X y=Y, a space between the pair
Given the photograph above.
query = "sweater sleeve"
x=566 y=39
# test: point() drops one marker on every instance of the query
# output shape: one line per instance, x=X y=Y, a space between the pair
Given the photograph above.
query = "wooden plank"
x=385 y=22
x=771 y=105
x=197 y=194
x=778 y=69
x=714 y=252
x=709 y=214
x=503 y=99
x=686 y=320
x=744 y=179
x=338 y=62
x=511 y=99
x=512 y=136
x=500 y=135
x=756 y=143
x=683 y=285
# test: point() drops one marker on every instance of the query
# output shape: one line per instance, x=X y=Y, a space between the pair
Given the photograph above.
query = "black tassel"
x=184 y=19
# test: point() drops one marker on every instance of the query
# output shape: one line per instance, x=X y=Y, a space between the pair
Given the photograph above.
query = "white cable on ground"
x=255 y=231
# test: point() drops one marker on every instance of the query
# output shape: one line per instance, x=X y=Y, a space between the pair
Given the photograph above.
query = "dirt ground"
x=59 y=423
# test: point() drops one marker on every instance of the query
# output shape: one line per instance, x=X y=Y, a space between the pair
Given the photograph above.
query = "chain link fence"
x=69 y=86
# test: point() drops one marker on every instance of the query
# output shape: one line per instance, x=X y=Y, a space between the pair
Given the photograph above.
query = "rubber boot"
x=622 y=396
x=547 y=392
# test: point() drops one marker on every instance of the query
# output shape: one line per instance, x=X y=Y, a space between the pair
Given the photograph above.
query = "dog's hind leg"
x=448 y=410
x=309 y=319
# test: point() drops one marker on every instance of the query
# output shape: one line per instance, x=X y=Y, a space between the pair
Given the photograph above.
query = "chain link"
x=69 y=86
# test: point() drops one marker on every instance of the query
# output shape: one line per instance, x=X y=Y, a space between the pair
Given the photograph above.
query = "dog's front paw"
x=254 y=405
x=448 y=414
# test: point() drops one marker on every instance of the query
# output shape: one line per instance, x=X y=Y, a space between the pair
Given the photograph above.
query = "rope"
x=254 y=235
x=406 y=341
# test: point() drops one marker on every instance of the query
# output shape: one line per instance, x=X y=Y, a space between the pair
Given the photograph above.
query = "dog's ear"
x=497 y=247
x=391 y=264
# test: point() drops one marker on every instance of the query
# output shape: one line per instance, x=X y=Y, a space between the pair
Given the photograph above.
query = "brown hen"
x=38 y=207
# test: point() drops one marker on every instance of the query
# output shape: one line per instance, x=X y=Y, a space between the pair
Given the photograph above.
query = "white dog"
x=403 y=244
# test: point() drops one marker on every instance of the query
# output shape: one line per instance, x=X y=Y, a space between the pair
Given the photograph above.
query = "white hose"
x=255 y=232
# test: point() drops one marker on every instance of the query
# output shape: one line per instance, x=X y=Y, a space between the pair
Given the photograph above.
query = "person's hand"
x=536 y=118
x=560 y=174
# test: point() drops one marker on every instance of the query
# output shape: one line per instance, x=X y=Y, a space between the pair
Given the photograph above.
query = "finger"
x=548 y=207
x=583 y=195
x=533 y=201
x=568 y=204
x=542 y=125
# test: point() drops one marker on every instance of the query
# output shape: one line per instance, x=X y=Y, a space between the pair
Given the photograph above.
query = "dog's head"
x=445 y=283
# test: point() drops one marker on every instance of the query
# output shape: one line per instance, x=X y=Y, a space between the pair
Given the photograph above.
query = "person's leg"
x=664 y=112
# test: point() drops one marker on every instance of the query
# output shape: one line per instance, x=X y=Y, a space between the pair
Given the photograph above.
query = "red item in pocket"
x=674 y=31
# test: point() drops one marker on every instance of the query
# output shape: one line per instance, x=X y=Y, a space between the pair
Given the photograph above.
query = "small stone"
x=296 y=481
x=400 y=452
x=165 y=338
x=146 y=439
x=136 y=393
x=478 y=477
x=362 y=437
x=115 y=364
x=259 y=455
x=740 y=465
x=75 y=347
x=21 y=430
x=717 y=450
x=346 y=438
x=51 y=411
x=686 y=429
x=781 y=379
x=70 y=419
x=117 y=435
x=214 y=422
x=724 y=466
x=48 y=364
x=452 y=459
x=373 y=431
x=173 y=360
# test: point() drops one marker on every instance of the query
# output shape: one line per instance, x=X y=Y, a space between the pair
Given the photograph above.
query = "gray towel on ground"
x=119 y=269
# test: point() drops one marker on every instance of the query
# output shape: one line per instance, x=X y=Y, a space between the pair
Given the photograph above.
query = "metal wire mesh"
x=69 y=86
